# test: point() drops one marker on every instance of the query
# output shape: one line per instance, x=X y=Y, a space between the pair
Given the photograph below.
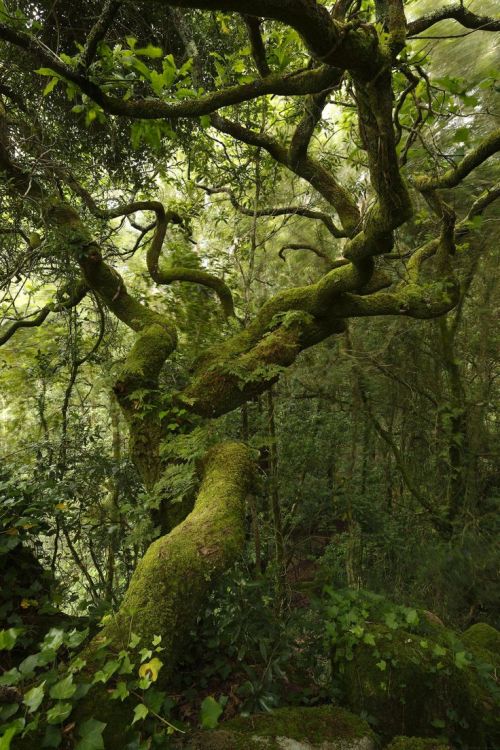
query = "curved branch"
x=74 y=297
x=313 y=110
x=99 y=31
x=257 y=44
x=307 y=168
x=300 y=83
x=480 y=204
x=454 y=176
x=282 y=211
x=337 y=44
x=304 y=246
x=316 y=251
x=457 y=12
x=195 y=276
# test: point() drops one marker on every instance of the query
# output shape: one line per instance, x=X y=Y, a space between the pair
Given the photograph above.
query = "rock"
x=412 y=683
x=483 y=637
x=319 y=728
x=417 y=743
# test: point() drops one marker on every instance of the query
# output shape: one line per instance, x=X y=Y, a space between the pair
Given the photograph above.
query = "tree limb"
x=457 y=12
x=68 y=297
x=454 y=176
x=98 y=32
x=300 y=83
x=257 y=44
x=282 y=211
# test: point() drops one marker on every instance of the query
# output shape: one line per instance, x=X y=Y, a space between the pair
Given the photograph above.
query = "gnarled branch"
x=454 y=176
x=281 y=211
x=465 y=17
x=68 y=297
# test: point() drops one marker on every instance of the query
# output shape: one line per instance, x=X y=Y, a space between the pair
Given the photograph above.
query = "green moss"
x=300 y=723
x=173 y=578
x=480 y=637
x=408 y=682
x=316 y=725
x=417 y=743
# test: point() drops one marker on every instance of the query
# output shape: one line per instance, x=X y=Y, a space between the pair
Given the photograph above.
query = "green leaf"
x=134 y=640
x=8 y=639
x=390 y=621
x=54 y=638
x=140 y=712
x=63 y=689
x=461 y=659
x=45 y=72
x=28 y=665
x=52 y=737
x=412 y=617
x=120 y=692
x=11 y=677
x=461 y=135
x=149 y=51
x=108 y=670
x=210 y=712
x=91 y=735
x=438 y=723
x=382 y=664
x=51 y=85
x=58 y=713
x=34 y=697
x=10 y=732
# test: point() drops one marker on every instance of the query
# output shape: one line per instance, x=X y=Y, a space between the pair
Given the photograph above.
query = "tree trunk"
x=170 y=584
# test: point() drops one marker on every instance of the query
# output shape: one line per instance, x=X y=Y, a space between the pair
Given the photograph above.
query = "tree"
x=278 y=73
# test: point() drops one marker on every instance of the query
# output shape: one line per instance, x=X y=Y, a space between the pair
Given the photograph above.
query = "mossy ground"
x=316 y=725
x=417 y=743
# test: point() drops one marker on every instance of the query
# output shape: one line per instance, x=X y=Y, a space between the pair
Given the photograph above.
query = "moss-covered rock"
x=412 y=684
x=482 y=637
x=298 y=728
x=417 y=743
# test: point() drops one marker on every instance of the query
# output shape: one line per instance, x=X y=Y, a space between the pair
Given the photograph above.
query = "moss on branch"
x=489 y=146
x=172 y=581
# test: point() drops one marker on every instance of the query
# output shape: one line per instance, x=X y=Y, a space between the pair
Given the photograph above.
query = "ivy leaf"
x=8 y=639
x=390 y=620
x=48 y=88
x=28 y=665
x=63 y=689
x=91 y=735
x=34 y=697
x=11 y=677
x=461 y=659
x=58 y=713
x=140 y=712
x=210 y=712
x=134 y=640
x=120 y=691
x=412 y=617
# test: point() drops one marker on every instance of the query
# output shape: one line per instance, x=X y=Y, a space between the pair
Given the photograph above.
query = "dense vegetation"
x=248 y=374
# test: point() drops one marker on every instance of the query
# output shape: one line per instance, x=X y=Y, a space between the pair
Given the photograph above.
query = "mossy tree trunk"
x=170 y=585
